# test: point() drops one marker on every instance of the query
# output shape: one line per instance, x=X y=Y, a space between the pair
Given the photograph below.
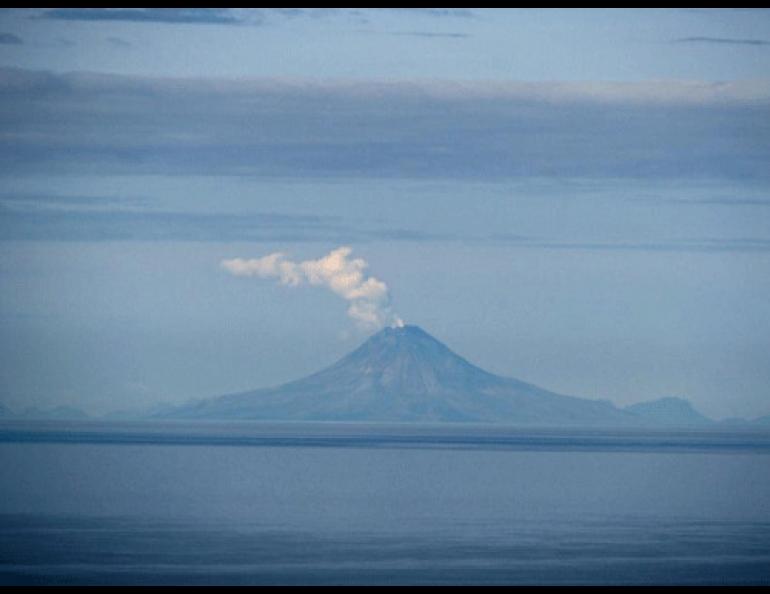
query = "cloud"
x=316 y=13
x=368 y=297
x=723 y=41
x=731 y=201
x=40 y=217
x=430 y=34
x=197 y=16
x=41 y=201
x=118 y=42
x=193 y=16
x=72 y=218
x=718 y=201
x=106 y=124
x=10 y=39
x=441 y=13
x=700 y=245
x=30 y=217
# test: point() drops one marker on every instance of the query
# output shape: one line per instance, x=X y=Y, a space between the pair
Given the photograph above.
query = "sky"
x=576 y=198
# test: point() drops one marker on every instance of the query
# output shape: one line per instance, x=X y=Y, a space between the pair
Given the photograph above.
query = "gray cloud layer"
x=88 y=123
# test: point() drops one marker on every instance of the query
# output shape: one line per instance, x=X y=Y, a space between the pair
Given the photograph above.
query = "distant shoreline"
x=389 y=436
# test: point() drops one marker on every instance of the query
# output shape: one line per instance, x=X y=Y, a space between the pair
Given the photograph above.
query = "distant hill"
x=406 y=375
x=156 y=410
x=669 y=411
x=55 y=413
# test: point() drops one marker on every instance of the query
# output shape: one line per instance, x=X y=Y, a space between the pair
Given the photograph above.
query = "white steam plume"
x=368 y=297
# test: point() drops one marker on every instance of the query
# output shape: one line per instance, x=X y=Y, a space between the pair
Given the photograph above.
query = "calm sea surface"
x=249 y=503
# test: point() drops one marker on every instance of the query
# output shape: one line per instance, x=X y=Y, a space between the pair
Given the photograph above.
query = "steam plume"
x=368 y=297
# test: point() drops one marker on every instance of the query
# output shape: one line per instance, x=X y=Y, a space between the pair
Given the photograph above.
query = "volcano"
x=405 y=375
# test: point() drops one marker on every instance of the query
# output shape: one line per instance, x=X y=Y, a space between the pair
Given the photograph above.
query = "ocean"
x=271 y=503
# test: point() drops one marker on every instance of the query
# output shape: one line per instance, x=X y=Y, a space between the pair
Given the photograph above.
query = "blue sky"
x=576 y=198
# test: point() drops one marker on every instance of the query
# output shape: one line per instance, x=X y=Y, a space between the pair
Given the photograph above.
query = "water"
x=243 y=503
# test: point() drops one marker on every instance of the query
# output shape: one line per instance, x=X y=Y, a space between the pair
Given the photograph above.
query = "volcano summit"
x=405 y=375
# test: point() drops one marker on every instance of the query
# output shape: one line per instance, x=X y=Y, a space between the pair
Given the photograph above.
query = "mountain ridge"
x=404 y=374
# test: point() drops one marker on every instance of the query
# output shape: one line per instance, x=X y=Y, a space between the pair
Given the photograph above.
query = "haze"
x=579 y=199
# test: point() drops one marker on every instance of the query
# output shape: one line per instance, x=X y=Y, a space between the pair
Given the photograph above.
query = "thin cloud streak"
x=10 y=39
x=700 y=245
x=118 y=42
x=199 y=16
x=85 y=220
x=189 y=16
x=96 y=219
x=430 y=34
x=723 y=41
